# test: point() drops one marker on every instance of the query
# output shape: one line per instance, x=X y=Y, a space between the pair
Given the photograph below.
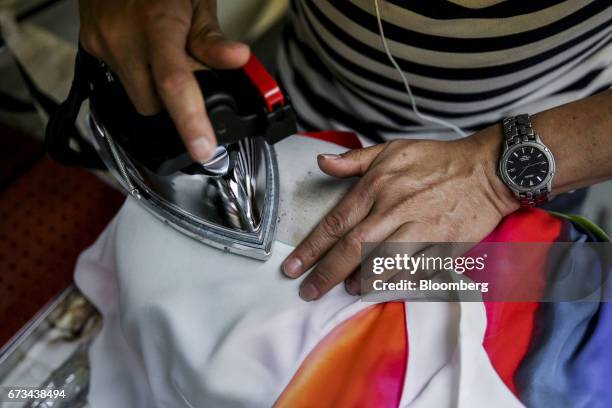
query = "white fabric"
x=186 y=325
x=447 y=365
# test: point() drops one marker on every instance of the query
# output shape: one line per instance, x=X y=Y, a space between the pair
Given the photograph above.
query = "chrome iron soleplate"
x=236 y=213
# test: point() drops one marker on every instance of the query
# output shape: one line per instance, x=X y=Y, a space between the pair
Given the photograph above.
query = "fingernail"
x=234 y=44
x=329 y=156
x=201 y=149
x=352 y=286
x=309 y=292
x=292 y=267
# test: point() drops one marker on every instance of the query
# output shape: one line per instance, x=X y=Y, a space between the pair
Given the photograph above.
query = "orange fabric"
x=47 y=217
x=361 y=363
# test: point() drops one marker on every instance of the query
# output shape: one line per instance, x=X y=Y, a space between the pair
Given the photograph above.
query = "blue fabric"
x=568 y=203
x=569 y=363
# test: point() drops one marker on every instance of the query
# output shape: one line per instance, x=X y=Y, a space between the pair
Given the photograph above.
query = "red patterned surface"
x=47 y=217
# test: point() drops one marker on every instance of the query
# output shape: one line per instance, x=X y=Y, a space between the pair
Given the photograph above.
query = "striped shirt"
x=469 y=62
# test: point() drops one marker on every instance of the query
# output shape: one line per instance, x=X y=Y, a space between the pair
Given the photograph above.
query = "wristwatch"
x=526 y=166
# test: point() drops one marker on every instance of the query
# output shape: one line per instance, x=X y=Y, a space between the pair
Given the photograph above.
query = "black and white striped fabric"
x=469 y=62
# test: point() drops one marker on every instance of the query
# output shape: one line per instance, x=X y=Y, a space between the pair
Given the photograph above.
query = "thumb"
x=208 y=45
x=352 y=163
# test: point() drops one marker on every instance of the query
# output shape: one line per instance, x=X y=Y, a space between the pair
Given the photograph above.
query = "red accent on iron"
x=264 y=82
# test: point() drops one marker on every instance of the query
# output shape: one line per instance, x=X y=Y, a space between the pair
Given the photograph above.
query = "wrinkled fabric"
x=570 y=360
x=188 y=325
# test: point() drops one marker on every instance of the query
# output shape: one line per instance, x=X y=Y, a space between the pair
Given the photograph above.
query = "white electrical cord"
x=424 y=117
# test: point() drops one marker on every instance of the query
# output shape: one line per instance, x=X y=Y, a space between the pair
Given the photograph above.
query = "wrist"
x=489 y=143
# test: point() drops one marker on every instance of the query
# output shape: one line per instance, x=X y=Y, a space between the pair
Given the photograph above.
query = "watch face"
x=527 y=166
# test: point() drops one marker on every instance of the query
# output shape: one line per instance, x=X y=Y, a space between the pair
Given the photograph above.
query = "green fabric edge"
x=584 y=223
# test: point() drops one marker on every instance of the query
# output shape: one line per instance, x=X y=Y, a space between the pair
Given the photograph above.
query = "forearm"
x=579 y=135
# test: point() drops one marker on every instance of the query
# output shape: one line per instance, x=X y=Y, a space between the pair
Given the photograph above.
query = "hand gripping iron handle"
x=243 y=103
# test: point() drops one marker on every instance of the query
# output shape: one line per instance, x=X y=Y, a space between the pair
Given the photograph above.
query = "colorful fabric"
x=569 y=363
x=510 y=325
x=549 y=354
x=188 y=325
x=361 y=363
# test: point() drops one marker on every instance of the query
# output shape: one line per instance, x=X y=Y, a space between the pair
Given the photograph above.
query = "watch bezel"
x=517 y=187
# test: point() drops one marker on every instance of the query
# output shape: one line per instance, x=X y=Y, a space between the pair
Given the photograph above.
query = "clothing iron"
x=230 y=202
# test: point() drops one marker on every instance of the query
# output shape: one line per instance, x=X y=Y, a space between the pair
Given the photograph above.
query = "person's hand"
x=151 y=45
x=410 y=191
